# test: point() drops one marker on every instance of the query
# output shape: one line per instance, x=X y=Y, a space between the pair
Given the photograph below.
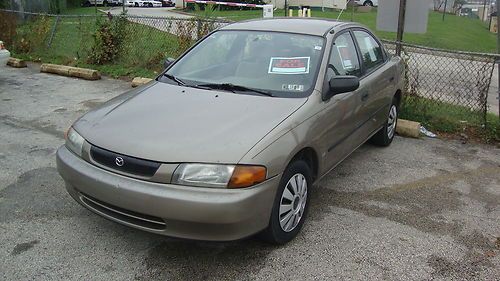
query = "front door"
x=342 y=114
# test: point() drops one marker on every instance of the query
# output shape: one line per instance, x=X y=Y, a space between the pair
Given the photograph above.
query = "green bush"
x=31 y=37
x=108 y=40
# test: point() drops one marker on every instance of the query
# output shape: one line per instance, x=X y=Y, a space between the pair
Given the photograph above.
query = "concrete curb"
x=70 y=71
x=139 y=81
x=17 y=63
x=408 y=128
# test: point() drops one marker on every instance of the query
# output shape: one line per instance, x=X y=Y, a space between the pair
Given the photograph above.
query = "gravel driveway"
x=418 y=210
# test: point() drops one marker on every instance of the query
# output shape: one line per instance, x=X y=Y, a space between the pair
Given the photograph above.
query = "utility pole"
x=286 y=8
x=484 y=11
x=498 y=51
x=401 y=26
x=444 y=9
x=123 y=6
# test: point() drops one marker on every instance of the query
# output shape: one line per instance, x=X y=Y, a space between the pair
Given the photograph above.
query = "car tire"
x=87 y=4
x=385 y=136
x=290 y=204
x=136 y=4
x=368 y=3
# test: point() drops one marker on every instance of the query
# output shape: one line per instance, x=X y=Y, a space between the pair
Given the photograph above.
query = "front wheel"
x=368 y=3
x=290 y=204
x=385 y=136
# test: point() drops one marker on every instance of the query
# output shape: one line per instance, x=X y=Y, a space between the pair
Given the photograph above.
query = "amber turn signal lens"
x=245 y=176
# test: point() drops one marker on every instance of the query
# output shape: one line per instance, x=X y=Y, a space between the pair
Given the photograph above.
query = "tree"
x=4 y=4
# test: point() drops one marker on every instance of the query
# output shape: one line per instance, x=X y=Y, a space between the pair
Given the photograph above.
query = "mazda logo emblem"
x=119 y=161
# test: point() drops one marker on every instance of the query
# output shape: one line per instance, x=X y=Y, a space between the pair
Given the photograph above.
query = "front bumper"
x=177 y=211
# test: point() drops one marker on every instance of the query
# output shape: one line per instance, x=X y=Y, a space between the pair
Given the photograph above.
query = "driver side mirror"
x=341 y=84
x=168 y=62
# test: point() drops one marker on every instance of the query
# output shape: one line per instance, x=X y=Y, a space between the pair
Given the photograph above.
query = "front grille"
x=130 y=165
x=124 y=215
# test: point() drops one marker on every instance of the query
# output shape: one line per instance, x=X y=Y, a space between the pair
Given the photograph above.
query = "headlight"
x=218 y=176
x=74 y=141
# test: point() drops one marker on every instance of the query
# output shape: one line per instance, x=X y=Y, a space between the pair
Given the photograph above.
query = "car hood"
x=169 y=123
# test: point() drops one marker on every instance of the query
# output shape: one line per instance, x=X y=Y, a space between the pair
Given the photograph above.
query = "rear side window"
x=371 y=51
x=343 y=58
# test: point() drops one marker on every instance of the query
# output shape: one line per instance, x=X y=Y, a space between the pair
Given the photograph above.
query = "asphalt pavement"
x=421 y=209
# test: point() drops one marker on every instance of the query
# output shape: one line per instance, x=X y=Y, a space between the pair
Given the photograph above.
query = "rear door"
x=377 y=80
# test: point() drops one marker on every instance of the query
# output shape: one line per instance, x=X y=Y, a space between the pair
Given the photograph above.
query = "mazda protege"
x=228 y=141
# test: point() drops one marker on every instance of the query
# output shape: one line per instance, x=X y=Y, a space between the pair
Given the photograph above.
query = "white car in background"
x=89 y=3
x=144 y=3
x=4 y=55
x=373 y=3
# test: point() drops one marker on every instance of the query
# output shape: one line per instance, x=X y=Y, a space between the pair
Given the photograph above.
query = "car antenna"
x=343 y=9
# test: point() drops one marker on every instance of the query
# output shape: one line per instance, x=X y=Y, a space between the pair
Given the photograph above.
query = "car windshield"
x=273 y=63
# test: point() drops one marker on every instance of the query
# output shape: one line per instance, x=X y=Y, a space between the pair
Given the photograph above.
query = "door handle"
x=364 y=96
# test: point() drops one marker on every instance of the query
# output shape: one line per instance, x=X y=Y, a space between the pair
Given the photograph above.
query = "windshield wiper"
x=182 y=83
x=232 y=88
x=177 y=80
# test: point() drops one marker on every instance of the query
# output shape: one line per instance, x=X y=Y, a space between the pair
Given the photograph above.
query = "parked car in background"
x=228 y=141
x=4 y=55
x=144 y=3
x=167 y=3
x=373 y=3
x=153 y=3
x=89 y=3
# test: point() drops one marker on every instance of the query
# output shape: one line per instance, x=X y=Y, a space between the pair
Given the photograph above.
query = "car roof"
x=312 y=26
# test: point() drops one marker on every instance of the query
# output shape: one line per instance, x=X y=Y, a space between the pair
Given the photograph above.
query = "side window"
x=371 y=51
x=343 y=58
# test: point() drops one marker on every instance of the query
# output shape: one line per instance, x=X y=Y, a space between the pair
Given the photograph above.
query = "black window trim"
x=365 y=72
x=335 y=36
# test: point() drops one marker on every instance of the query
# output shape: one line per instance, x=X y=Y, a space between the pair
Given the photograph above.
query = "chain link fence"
x=438 y=82
x=125 y=40
x=446 y=81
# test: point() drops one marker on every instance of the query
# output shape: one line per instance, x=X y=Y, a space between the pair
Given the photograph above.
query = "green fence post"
x=52 y=34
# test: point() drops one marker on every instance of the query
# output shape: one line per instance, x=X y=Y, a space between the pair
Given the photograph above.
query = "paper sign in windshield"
x=344 y=53
x=297 y=65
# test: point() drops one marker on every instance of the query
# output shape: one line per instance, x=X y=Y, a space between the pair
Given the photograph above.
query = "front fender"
x=279 y=147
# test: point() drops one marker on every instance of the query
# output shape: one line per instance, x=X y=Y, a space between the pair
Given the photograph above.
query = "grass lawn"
x=452 y=119
x=74 y=39
x=455 y=33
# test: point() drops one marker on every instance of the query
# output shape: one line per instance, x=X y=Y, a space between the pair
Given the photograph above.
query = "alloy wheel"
x=391 y=122
x=293 y=202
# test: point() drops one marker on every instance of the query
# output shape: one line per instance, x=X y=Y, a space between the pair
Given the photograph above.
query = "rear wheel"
x=136 y=4
x=368 y=3
x=290 y=204
x=385 y=136
x=150 y=5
